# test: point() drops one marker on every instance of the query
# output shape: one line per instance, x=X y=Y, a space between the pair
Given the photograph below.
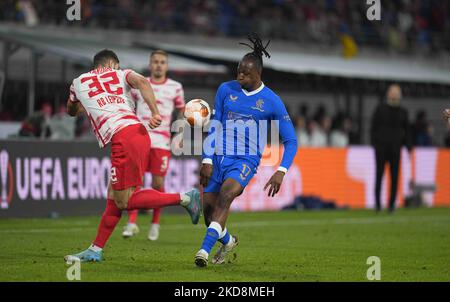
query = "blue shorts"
x=238 y=169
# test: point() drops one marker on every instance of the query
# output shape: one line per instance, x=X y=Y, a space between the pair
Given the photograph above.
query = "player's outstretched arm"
x=137 y=81
x=289 y=140
x=274 y=183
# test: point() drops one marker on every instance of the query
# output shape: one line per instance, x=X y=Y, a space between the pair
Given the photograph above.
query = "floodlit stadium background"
x=330 y=65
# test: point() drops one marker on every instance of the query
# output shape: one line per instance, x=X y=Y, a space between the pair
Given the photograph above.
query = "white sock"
x=95 y=248
x=223 y=233
x=216 y=226
x=203 y=252
x=185 y=199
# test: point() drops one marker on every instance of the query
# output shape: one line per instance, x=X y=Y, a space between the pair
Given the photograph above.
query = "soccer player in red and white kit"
x=104 y=95
x=169 y=97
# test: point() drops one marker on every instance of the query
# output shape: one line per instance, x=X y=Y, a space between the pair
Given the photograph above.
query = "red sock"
x=156 y=215
x=110 y=218
x=152 y=199
x=132 y=216
x=157 y=212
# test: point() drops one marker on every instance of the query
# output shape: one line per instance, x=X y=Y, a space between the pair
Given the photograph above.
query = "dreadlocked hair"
x=258 y=50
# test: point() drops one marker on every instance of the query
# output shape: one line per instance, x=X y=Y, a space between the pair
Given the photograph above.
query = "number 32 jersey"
x=105 y=95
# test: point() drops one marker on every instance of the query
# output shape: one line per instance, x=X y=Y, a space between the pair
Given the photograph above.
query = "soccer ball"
x=197 y=113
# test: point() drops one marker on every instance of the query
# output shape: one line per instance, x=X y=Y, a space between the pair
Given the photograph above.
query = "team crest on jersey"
x=233 y=98
x=259 y=105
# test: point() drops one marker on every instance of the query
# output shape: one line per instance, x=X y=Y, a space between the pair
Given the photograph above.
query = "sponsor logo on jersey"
x=233 y=98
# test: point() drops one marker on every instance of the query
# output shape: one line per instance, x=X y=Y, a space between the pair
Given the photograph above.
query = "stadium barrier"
x=42 y=179
x=53 y=178
x=347 y=177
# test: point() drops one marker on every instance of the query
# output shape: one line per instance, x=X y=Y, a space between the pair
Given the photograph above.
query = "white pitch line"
x=263 y=223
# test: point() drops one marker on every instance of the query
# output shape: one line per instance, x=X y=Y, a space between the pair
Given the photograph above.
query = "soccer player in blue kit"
x=224 y=172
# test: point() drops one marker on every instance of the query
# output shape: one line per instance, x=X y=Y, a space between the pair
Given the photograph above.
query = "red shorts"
x=130 y=153
x=159 y=161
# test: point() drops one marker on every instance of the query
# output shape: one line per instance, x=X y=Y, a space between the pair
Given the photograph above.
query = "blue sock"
x=212 y=234
x=225 y=237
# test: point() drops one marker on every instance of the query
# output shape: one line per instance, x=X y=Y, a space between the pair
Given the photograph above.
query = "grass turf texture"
x=413 y=245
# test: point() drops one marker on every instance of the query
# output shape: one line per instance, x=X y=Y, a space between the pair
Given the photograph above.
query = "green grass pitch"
x=413 y=245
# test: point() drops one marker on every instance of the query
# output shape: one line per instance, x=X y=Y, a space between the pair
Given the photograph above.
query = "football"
x=197 y=113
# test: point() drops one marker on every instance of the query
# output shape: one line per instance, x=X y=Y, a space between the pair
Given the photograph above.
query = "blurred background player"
x=446 y=114
x=169 y=98
x=224 y=177
x=390 y=130
x=104 y=94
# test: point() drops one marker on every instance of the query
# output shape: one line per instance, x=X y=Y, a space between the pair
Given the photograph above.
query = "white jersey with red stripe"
x=105 y=95
x=169 y=96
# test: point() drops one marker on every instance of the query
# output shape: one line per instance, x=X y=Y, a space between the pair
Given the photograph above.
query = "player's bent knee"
x=121 y=197
x=226 y=197
x=121 y=204
x=121 y=201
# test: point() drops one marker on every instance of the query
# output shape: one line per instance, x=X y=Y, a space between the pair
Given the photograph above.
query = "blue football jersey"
x=240 y=112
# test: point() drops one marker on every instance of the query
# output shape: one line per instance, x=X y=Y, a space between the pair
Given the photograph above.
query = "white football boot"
x=153 y=233
x=201 y=258
x=130 y=230
x=224 y=250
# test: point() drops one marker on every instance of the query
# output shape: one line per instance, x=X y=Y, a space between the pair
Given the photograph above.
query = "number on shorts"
x=113 y=174
x=165 y=160
x=245 y=171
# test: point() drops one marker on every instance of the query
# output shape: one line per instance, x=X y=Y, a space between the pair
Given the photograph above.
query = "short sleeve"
x=72 y=95
x=179 y=97
x=127 y=73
